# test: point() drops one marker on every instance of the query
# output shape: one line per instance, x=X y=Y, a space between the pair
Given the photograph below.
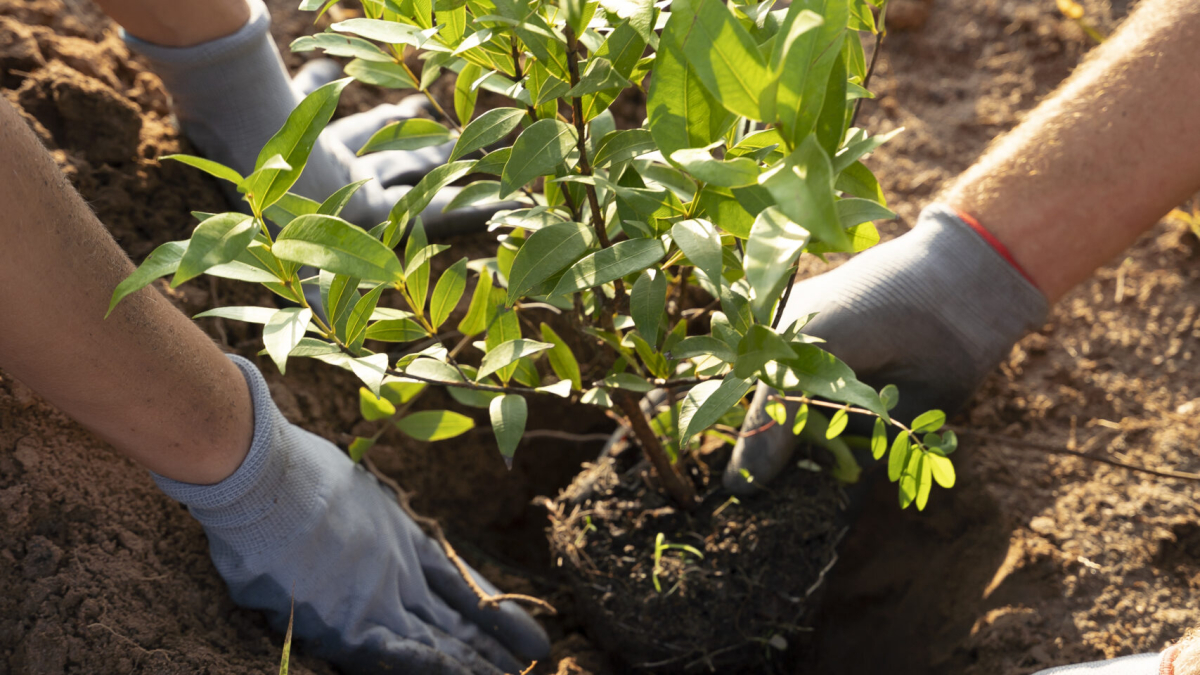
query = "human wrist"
x=276 y=491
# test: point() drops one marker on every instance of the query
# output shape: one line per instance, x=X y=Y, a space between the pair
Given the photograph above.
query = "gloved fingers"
x=509 y=625
x=402 y=167
x=354 y=130
x=385 y=652
x=763 y=448
x=315 y=74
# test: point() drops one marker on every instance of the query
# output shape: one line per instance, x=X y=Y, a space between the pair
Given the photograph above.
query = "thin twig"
x=870 y=71
x=566 y=435
x=434 y=529
x=1024 y=443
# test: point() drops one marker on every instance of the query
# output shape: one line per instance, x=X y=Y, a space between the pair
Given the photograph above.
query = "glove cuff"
x=212 y=53
x=273 y=496
x=979 y=293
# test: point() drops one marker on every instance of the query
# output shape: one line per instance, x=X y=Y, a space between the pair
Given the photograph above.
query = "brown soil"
x=1033 y=560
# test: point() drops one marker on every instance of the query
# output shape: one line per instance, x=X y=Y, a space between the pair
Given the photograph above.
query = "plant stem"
x=676 y=485
x=870 y=71
x=787 y=293
x=585 y=166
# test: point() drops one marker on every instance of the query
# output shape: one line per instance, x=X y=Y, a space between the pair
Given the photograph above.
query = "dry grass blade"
x=287 y=640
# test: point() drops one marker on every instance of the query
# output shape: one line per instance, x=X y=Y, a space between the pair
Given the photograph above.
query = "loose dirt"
x=1033 y=560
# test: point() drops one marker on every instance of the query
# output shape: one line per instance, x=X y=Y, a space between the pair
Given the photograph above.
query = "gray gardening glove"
x=233 y=93
x=1140 y=664
x=373 y=593
x=932 y=311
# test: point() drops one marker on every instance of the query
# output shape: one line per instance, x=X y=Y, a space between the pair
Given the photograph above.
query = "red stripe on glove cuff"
x=995 y=244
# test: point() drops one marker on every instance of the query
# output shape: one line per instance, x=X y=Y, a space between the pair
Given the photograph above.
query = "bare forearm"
x=1102 y=159
x=147 y=379
x=170 y=23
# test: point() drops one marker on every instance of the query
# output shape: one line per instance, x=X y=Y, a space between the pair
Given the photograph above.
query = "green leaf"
x=478 y=192
x=435 y=425
x=294 y=142
x=341 y=45
x=508 y=415
x=802 y=60
x=817 y=371
x=681 y=112
x=545 y=253
x=215 y=241
x=330 y=243
x=338 y=293
x=707 y=402
x=289 y=207
x=488 y=128
x=628 y=382
x=601 y=267
x=623 y=145
x=448 y=292
x=415 y=200
x=647 y=302
x=542 y=147
x=879 y=439
x=623 y=48
x=395 y=330
x=802 y=187
x=851 y=153
x=333 y=205
x=356 y=323
x=493 y=163
x=208 y=166
x=161 y=262
x=391 y=75
x=722 y=53
x=738 y=172
x=924 y=481
x=701 y=243
x=410 y=134
x=562 y=360
x=858 y=180
x=837 y=424
x=801 y=419
x=372 y=407
x=942 y=469
x=759 y=346
x=898 y=456
x=508 y=352
x=774 y=244
x=259 y=315
x=703 y=345
x=599 y=76
x=416 y=264
x=777 y=411
x=890 y=396
x=928 y=422
x=391 y=32
x=359 y=447
x=465 y=96
x=475 y=322
x=400 y=392
x=831 y=123
x=853 y=212
x=283 y=332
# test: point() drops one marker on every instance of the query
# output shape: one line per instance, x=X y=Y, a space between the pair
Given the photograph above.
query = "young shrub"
x=747 y=160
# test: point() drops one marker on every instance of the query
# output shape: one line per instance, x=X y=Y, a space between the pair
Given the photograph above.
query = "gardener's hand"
x=372 y=592
x=932 y=312
x=233 y=93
